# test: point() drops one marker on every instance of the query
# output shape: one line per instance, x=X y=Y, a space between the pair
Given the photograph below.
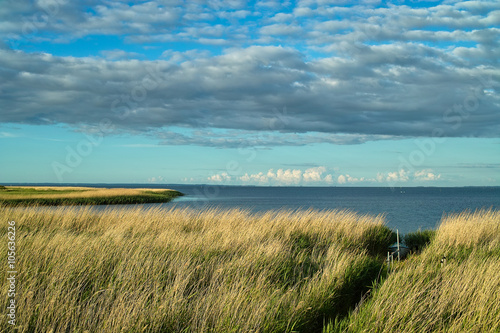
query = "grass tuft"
x=418 y=240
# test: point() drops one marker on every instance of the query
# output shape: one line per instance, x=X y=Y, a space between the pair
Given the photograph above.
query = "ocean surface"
x=407 y=208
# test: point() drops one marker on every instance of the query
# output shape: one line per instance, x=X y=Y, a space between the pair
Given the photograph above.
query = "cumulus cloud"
x=426 y=175
x=329 y=179
x=314 y=174
x=319 y=176
x=310 y=176
x=405 y=176
x=220 y=178
x=391 y=177
x=348 y=179
x=281 y=176
x=379 y=72
x=158 y=179
x=398 y=176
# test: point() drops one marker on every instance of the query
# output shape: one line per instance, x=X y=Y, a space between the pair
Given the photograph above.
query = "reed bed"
x=51 y=196
x=181 y=270
x=453 y=286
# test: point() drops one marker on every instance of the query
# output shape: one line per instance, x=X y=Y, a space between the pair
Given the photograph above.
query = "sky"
x=272 y=93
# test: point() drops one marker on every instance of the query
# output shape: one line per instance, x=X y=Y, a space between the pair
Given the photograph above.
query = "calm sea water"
x=406 y=209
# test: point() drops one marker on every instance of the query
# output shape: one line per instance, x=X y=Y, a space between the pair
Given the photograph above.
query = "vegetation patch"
x=183 y=270
x=55 y=196
x=418 y=240
x=145 y=270
x=452 y=286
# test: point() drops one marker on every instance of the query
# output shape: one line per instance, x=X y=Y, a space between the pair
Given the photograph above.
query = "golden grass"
x=181 y=270
x=470 y=229
x=422 y=295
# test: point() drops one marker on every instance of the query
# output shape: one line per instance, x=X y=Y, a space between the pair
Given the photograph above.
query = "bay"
x=406 y=208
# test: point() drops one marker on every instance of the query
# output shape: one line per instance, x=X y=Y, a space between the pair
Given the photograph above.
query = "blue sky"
x=308 y=92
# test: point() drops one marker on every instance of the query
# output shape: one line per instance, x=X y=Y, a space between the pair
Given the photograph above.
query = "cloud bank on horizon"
x=317 y=176
x=265 y=73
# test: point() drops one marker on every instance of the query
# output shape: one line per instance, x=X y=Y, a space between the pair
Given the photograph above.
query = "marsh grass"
x=54 y=196
x=181 y=270
x=423 y=295
x=416 y=241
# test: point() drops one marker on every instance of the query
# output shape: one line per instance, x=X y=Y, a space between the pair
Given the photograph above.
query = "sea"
x=406 y=209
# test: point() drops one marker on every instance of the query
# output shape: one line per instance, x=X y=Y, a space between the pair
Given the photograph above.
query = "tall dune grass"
x=453 y=286
x=180 y=270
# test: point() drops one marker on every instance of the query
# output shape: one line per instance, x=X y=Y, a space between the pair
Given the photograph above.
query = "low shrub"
x=418 y=240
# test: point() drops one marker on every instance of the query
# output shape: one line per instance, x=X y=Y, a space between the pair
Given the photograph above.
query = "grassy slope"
x=82 y=196
x=177 y=270
x=129 y=270
x=423 y=296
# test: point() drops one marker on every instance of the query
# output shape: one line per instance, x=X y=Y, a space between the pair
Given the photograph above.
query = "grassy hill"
x=452 y=286
x=178 y=270
x=182 y=270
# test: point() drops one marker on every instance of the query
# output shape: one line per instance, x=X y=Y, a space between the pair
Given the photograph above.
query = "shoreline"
x=69 y=195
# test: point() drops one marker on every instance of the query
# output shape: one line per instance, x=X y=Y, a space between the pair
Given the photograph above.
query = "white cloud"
x=188 y=179
x=398 y=176
x=220 y=178
x=344 y=179
x=312 y=176
x=329 y=179
x=158 y=179
x=404 y=176
x=426 y=175
x=380 y=177
x=289 y=176
x=319 y=176
x=260 y=178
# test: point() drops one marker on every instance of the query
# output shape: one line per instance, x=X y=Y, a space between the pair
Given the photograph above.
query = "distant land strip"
x=54 y=196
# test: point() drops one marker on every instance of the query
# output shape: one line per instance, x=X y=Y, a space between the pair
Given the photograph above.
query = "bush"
x=418 y=240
